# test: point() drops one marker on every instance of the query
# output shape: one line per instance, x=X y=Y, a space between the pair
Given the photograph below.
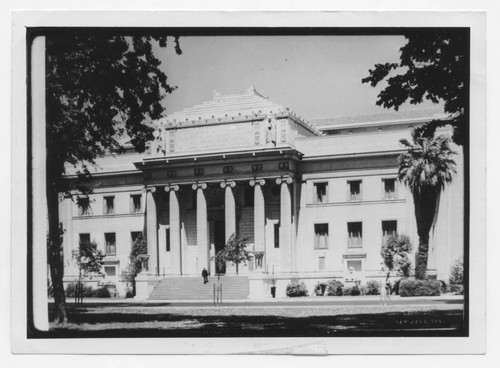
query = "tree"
x=394 y=253
x=88 y=259
x=102 y=91
x=234 y=251
x=426 y=167
x=433 y=65
x=139 y=246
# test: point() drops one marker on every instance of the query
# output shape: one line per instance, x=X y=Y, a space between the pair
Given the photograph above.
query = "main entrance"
x=219 y=242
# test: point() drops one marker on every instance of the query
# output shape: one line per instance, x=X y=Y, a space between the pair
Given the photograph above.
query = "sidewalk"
x=311 y=300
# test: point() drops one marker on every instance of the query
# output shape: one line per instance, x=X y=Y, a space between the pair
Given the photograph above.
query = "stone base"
x=141 y=287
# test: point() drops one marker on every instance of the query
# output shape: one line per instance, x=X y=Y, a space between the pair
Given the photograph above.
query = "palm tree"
x=426 y=167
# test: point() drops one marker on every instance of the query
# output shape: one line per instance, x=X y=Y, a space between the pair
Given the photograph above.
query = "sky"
x=315 y=76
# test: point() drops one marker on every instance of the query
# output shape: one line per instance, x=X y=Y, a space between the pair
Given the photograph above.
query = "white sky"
x=316 y=76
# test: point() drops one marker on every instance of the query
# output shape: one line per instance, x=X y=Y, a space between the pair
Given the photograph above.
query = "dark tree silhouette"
x=102 y=90
x=434 y=66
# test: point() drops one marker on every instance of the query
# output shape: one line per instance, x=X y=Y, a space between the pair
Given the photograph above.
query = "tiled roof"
x=372 y=118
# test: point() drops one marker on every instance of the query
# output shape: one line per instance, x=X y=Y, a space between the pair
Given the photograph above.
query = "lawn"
x=161 y=320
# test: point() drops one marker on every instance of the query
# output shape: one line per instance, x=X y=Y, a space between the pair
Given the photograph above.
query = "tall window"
x=389 y=188
x=277 y=235
x=320 y=192
x=321 y=236
x=110 y=244
x=83 y=206
x=355 y=234
x=135 y=203
x=389 y=228
x=354 y=265
x=110 y=271
x=134 y=235
x=109 y=205
x=167 y=239
x=321 y=263
x=354 y=190
x=84 y=238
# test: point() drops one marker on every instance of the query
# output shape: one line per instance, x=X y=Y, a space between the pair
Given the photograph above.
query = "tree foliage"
x=103 y=92
x=234 y=251
x=88 y=259
x=433 y=66
x=456 y=280
x=395 y=254
x=426 y=167
x=139 y=247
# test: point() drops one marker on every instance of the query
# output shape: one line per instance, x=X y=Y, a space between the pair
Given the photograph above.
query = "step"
x=193 y=288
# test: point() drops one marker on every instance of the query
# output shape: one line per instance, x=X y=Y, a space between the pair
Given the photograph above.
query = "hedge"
x=419 y=288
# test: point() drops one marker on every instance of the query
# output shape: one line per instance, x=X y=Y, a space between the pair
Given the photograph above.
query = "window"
x=110 y=244
x=389 y=228
x=277 y=235
x=355 y=234
x=354 y=265
x=135 y=203
x=321 y=263
x=389 y=188
x=109 y=205
x=320 y=192
x=134 y=235
x=320 y=236
x=354 y=190
x=83 y=206
x=110 y=271
x=84 y=238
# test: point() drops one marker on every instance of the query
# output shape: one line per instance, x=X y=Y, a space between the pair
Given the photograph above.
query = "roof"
x=390 y=116
x=249 y=102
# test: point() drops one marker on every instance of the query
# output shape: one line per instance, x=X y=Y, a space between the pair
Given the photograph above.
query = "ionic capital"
x=255 y=182
x=151 y=189
x=195 y=186
x=285 y=180
x=169 y=187
x=231 y=183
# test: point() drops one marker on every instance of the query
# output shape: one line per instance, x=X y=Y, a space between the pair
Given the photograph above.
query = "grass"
x=142 y=320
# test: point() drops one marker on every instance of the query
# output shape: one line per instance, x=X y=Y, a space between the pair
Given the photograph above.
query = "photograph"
x=248 y=182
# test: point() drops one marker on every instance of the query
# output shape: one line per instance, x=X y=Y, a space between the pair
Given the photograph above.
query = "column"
x=259 y=216
x=201 y=226
x=285 y=223
x=229 y=208
x=175 y=229
x=152 y=231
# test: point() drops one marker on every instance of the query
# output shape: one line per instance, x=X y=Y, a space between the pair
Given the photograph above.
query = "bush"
x=319 y=289
x=395 y=287
x=444 y=287
x=351 y=291
x=103 y=293
x=334 y=288
x=88 y=291
x=372 y=288
x=296 y=289
x=419 y=288
x=456 y=281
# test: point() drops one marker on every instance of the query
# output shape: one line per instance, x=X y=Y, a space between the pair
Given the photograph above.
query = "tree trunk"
x=55 y=255
x=425 y=213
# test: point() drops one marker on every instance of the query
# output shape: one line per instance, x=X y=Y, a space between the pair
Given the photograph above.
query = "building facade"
x=315 y=199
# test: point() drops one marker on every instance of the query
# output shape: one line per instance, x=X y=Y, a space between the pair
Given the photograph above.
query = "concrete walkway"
x=310 y=300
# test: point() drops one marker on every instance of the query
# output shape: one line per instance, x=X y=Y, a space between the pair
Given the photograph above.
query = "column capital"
x=151 y=189
x=199 y=185
x=255 y=182
x=230 y=183
x=169 y=187
x=284 y=180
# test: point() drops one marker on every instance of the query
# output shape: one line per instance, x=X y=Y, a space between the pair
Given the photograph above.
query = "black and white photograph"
x=252 y=182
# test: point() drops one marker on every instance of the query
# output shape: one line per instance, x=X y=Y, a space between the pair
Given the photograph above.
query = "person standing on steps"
x=204 y=274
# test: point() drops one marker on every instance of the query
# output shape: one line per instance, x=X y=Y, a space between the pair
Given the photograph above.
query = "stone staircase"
x=192 y=288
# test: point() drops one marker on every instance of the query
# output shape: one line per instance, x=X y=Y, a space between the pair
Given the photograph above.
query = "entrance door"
x=219 y=242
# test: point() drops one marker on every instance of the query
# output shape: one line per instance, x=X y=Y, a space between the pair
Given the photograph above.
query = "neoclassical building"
x=315 y=198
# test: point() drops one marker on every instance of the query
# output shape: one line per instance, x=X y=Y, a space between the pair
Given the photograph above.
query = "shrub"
x=103 y=293
x=296 y=289
x=334 y=287
x=444 y=287
x=88 y=291
x=395 y=287
x=456 y=281
x=372 y=288
x=320 y=288
x=419 y=288
x=351 y=291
